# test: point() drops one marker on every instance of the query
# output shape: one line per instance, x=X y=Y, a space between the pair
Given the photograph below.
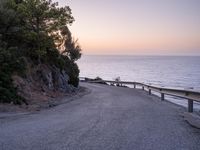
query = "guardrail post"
x=142 y=87
x=134 y=85
x=162 y=96
x=190 y=105
x=149 y=91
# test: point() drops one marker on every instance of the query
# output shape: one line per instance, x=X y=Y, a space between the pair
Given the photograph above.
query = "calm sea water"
x=169 y=71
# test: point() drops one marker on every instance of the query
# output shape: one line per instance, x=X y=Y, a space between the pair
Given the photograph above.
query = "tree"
x=71 y=47
x=35 y=29
x=43 y=20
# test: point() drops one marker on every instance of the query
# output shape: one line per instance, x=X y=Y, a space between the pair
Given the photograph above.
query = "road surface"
x=109 y=118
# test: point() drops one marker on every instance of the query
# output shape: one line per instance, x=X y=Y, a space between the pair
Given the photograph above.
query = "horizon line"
x=175 y=55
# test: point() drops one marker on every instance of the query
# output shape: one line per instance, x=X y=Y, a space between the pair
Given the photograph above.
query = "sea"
x=182 y=72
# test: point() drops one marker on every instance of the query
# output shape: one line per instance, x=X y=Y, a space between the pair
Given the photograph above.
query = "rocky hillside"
x=43 y=82
x=37 y=52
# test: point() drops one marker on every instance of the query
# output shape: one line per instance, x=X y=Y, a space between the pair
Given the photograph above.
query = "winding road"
x=108 y=118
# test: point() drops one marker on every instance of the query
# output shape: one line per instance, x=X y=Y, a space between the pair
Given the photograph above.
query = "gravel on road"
x=108 y=118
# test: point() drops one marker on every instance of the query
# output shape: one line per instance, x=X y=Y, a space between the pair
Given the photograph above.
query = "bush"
x=10 y=64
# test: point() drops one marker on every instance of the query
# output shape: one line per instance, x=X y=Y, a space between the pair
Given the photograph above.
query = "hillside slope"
x=37 y=51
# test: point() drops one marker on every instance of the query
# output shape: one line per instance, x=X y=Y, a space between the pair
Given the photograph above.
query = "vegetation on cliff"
x=34 y=32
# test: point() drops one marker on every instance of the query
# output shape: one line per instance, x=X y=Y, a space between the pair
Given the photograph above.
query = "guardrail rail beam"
x=190 y=95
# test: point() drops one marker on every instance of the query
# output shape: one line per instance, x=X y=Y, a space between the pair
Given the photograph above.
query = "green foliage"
x=10 y=63
x=73 y=72
x=72 y=49
x=8 y=91
x=35 y=30
x=42 y=18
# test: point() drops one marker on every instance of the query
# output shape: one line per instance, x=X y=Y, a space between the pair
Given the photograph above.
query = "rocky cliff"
x=42 y=84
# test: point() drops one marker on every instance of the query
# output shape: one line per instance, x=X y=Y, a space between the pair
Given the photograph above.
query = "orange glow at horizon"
x=165 y=45
x=155 y=27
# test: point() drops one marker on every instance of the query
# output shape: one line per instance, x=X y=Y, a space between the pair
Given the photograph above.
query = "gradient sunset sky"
x=137 y=27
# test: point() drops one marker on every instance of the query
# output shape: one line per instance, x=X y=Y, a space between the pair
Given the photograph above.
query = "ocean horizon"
x=167 y=71
x=154 y=69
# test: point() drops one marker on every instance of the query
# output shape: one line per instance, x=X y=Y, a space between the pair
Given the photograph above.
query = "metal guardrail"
x=190 y=95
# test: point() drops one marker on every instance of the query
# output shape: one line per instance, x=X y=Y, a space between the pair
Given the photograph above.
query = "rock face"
x=43 y=82
x=60 y=80
x=52 y=78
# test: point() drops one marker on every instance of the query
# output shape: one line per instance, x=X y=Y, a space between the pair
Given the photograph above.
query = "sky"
x=136 y=27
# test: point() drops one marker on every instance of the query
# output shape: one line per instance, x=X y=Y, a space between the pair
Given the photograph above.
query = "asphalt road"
x=109 y=118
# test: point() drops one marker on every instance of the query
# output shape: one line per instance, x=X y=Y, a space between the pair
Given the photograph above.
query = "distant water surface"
x=169 y=71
